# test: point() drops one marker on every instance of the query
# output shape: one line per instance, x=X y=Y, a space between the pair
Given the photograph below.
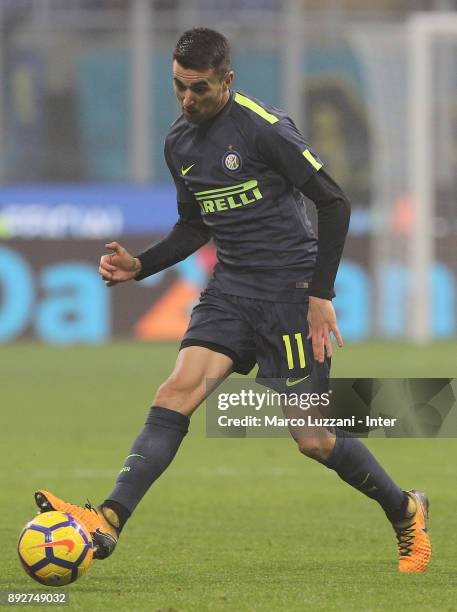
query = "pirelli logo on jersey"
x=227 y=198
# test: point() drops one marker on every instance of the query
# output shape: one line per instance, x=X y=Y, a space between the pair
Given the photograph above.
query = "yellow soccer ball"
x=54 y=549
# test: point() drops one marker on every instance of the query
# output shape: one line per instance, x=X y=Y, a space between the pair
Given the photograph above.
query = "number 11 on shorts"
x=289 y=354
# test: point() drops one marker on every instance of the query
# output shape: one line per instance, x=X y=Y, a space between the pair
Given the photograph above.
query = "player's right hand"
x=118 y=266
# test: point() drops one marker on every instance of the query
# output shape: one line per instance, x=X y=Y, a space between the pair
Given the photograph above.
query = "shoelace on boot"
x=90 y=507
x=405 y=539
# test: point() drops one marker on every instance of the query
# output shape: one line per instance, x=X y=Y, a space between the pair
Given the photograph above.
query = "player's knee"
x=314 y=448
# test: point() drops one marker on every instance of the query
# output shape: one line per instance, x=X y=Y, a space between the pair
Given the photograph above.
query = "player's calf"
x=176 y=394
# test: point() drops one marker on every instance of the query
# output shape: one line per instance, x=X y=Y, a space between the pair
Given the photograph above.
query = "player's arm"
x=187 y=235
x=333 y=214
x=333 y=210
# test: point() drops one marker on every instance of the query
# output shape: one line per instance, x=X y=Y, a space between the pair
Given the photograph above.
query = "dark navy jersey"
x=243 y=170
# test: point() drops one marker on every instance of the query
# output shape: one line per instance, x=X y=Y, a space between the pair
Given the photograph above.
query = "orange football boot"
x=104 y=535
x=414 y=546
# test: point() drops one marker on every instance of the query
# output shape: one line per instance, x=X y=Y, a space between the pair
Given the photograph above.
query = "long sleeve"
x=186 y=237
x=333 y=210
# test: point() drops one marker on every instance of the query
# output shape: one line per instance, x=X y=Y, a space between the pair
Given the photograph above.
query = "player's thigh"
x=198 y=370
x=220 y=322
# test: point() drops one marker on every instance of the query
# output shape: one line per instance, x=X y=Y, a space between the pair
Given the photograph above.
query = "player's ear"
x=228 y=78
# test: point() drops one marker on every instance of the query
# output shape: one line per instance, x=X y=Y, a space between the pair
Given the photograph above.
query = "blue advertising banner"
x=85 y=211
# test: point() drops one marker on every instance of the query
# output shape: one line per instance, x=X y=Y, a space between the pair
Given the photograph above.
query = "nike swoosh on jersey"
x=295 y=381
x=184 y=171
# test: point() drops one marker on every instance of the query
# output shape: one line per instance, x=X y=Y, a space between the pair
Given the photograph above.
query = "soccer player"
x=241 y=170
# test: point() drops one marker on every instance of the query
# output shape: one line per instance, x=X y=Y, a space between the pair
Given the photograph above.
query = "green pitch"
x=234 y=524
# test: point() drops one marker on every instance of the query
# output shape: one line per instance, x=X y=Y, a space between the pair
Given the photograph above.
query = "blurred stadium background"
x=86 y=101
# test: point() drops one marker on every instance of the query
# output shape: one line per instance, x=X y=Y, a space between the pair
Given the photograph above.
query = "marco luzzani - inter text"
x=305 y=421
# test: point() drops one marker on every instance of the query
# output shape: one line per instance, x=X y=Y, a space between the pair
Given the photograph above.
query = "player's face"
x=201 y=93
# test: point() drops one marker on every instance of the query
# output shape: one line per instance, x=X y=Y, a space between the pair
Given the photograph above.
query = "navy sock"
x=150 y=455
x=354 y=464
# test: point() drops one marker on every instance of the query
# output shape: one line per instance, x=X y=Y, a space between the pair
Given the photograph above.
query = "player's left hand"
x=322 y=321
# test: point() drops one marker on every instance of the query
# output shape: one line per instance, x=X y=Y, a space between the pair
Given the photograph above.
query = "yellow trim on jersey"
x=312 y=160
x=256 y=108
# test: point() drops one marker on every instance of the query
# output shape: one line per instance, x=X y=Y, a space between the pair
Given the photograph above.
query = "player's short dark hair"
x=201 y=49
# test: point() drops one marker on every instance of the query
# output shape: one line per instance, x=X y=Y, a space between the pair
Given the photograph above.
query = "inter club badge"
x=232 y=161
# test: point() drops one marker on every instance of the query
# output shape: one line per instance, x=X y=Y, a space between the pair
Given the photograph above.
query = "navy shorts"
x=250 y=331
